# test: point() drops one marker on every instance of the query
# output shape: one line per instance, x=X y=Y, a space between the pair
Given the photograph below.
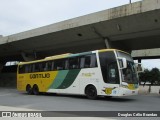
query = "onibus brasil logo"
x=21 y=114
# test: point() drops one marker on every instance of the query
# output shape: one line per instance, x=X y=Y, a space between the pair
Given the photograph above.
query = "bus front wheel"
x=28 y=89
x=91 y=92
x=35 y=90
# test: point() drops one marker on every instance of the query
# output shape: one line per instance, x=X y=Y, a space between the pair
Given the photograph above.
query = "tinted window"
x=88 y=61
x=59 y=64
x=21 y=68
x=49 y=65
x=43 y=66
x=66 y=64
x=93 y=62
x=29 y=68
x=36 y=67
x=109 y=67
x=73 y=63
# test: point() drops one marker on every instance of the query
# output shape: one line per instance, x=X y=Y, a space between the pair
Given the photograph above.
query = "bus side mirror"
x=122 y=63
x=139 y=67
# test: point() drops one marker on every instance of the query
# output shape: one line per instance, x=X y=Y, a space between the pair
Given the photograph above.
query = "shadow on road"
x=101 y=98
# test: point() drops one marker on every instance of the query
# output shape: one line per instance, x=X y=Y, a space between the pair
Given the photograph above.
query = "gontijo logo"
x=34 y=76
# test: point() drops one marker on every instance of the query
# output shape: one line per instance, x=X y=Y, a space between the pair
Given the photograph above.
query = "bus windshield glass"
x=129 y=74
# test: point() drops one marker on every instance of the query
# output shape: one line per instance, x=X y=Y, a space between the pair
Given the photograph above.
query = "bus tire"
x=29 y=89
x=91 y=92
x=35 y=90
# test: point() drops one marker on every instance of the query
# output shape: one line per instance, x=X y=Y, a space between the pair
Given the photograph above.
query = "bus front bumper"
x=127 y=92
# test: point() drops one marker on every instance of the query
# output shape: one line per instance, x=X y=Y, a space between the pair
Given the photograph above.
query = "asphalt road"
x=51 y=102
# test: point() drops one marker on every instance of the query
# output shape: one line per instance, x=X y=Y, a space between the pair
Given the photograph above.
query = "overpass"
x=146 y=54
x=129 y=27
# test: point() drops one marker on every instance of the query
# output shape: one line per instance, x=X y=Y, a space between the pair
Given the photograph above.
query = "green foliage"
x=152 y=76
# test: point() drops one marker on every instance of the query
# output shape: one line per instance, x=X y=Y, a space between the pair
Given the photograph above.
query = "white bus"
x=106 y=72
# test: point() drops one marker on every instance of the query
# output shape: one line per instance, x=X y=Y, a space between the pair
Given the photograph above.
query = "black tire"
x=35 y=90
x=91 y=92
x=28 y=89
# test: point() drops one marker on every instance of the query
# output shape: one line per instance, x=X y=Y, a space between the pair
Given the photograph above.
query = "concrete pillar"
x=139 y=60
x=106 y=40
x=2 y=65
x=107 y=43
x=130 y=1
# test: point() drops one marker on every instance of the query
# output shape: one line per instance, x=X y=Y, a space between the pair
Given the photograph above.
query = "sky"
x=22 y=15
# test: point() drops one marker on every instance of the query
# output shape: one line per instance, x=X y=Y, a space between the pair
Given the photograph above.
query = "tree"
x=155 y=73
x=152 y=76
x=145 y=76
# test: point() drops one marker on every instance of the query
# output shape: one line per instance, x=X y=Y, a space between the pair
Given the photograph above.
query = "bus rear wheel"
x=28 y=89
x=91 y=92
x=35 y=90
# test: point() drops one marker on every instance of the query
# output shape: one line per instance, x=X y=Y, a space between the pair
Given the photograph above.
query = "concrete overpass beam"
x=146 y=54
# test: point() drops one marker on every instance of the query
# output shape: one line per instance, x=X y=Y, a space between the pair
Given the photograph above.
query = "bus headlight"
x=125 y=86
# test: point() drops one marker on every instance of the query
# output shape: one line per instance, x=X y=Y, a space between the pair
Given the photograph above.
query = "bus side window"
x=22 y=69
x=52 y=68
x=73 y=63
x=49 y=66
x=59 y=64
x=82 y=61
x=66 y=64
x=88 y=61
x=36 y=67
x=28 y=68
x=93 y=61
x=43 y=66
x=32 y=67
x=85 y=61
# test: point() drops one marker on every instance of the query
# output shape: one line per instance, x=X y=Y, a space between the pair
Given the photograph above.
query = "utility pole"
x=130 y=1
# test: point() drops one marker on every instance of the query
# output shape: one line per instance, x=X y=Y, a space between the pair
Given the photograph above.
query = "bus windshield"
x=129 y=74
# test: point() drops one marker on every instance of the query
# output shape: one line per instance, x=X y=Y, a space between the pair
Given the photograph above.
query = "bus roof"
x=104 y=50
x=66 y=55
